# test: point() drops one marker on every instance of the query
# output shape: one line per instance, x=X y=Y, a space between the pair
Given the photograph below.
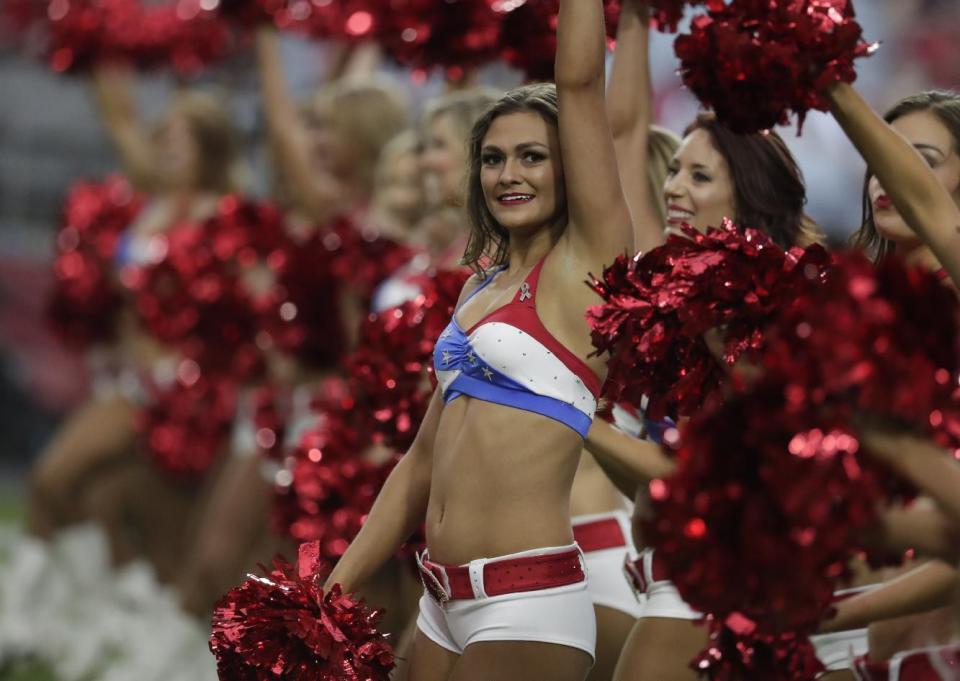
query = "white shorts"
x=561 y=615
x=607 y=585
x=663 y=599
x=837 y=650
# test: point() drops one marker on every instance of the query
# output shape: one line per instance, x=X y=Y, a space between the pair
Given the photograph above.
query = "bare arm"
x=627 y=461
x=399 y=508
x=600 y=224
x=924 y=588
x=113 y=92
x=915 y=191
x=922 y=527
x=314 y=193
x=629 y=108
x=922 y=462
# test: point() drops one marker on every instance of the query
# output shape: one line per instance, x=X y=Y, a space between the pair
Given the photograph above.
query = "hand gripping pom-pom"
x=284 y=625
x=528 y=33
x=657 y=308
x=753 y=61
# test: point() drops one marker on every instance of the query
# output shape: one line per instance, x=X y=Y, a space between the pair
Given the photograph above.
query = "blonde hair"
x=463 y=108
x=368 y=113
x=662 y=144
x=407 y=142
x=219 y=166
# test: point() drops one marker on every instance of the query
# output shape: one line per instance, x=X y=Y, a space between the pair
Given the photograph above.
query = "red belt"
x=935 y=664
x=597 y=535
x=499 y=577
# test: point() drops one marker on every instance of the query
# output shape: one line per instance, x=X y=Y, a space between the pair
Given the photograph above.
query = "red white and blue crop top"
x=510 y=358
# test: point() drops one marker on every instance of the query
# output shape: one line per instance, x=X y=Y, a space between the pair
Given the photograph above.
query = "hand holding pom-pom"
x=528 y=33
x=754 y=62
x=286 y=626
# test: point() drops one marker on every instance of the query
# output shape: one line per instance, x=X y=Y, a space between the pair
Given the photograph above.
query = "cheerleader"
x=506 y=592
x=600 y=511
x=326 y=165
x=91 y=465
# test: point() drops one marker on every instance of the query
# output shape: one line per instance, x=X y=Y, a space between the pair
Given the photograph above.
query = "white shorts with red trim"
x=561 y=615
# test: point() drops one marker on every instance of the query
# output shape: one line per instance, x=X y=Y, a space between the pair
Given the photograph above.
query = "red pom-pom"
x=194 y=295
x=182 y=35
x=773 y=489
x=658 y=307
x=455 y=35
x=754 y=61
x=392 y=367
x=666 y=14
x=285 y=626
x=362 y=258
x=303 y=315
x=328 y=487
x=737 y=651
x=528 y=34
x=186 y=426
x=85 y=300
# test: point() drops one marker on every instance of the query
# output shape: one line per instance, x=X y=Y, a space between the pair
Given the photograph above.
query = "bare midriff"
x=500 y=483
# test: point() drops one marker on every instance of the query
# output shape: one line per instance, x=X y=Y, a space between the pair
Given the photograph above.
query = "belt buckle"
x=431 y=583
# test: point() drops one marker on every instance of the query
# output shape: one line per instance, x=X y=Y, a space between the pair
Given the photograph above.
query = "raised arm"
x=398 y=510
x=113 y=92
x=629 y=108
x=627 y=461
x=314 y=193
x=599 y=218
x=915 y=191
x=924 y=588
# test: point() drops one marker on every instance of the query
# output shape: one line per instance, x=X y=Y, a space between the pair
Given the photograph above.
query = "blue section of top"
x=479 y=380
x=656 y=429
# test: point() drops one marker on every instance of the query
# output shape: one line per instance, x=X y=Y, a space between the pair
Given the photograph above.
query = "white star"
x=446 y=333
x=446 y=356
x=472 y=358
x=487 y=374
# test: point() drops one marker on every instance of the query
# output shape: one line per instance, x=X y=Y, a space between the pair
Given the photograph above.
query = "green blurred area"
x=26 y=671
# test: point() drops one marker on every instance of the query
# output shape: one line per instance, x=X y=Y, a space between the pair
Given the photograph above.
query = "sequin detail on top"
x=510 y=358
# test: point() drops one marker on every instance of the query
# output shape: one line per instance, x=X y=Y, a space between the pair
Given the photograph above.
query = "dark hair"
x=945 y=105
x=769 y=192
x=489 y=241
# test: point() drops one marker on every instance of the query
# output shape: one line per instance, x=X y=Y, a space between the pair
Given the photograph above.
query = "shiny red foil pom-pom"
x=182 y=34
x=528 y=33
x=658 y=306
x=197 y=296
x=774 y=488
x=186 y=426
x=362 y=259
x=392 y=367
x=666 y=14
x=85 y=299
x=753 y=62
x=455 y=35
x=327 y=487
x=285 y=626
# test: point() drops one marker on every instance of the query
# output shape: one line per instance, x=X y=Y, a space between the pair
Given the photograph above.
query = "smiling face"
x=933 y=140
x=178 y=155
x=521 y=173
x=699 y=187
